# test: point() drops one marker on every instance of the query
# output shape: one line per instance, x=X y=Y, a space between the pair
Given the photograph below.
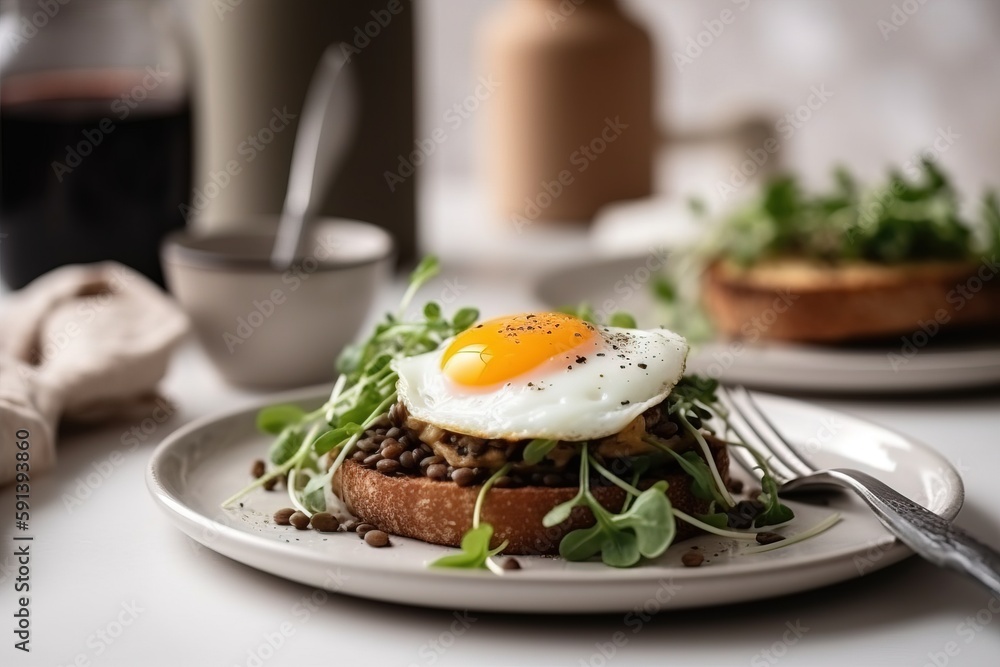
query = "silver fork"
x=927 y=534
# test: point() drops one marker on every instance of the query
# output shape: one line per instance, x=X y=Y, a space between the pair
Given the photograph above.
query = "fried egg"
x=541 y=375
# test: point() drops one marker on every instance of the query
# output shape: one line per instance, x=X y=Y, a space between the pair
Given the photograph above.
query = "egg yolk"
x=502 y=349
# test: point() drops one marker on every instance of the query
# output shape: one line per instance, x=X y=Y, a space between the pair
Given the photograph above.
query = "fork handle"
x=932 y=537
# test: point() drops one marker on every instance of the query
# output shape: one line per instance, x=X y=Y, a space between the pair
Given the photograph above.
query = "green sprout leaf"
x=562 y=511
x=432 y=311
x=350 y=358
x=475 y=543
x=583 y=311
x=620 y=548
x=337 y=436
x=464 y=319
x=622 y=320
x=377 y=364
x=475 y=550
x=583 y=498
x=314 y=493
x=536 y=450
x=774 y=511
x=366 y=402
x=646 y=528
x=275 y=418
x=703 y=483
x=586 y=312
x=651 y=519
x=582 y=543
x=665 y=290
x=285 y=446
x=692 y=389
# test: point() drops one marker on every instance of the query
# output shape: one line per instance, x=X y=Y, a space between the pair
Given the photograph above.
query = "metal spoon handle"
x=930 y=536
x=321 y=140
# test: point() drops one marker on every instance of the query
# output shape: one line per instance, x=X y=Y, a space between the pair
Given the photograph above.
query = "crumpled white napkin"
x=81 y=343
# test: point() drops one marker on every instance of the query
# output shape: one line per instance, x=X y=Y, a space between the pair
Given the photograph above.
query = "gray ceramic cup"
x=266 y=328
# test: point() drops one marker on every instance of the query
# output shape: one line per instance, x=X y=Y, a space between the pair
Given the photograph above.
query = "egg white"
x=573 y=398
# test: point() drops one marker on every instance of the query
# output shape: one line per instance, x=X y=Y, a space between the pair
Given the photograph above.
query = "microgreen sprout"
x=363 y=393
x=820 y=527
x=476 y=552
x=537 y=449
x=644 y=529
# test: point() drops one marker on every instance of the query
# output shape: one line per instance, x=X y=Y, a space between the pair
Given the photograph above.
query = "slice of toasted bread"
x=797 y=300
x=440 y=512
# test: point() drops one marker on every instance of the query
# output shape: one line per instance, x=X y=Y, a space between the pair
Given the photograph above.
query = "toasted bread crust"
x=441 y=512
x=807 y=302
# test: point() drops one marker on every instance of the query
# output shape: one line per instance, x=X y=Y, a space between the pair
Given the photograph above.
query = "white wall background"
x=941 y=69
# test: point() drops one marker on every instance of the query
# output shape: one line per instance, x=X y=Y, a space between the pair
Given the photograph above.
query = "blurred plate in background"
x=624 y=284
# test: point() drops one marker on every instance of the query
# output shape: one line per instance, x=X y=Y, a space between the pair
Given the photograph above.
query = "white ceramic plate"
x=201 y=464
x=931 y=365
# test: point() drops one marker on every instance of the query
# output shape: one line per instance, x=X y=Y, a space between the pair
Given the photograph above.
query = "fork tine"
x=789 y=453
x=776 y=443
x=743 y=457
x=745 y=431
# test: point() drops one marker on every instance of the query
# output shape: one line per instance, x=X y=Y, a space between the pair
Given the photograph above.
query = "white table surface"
x=115 y=557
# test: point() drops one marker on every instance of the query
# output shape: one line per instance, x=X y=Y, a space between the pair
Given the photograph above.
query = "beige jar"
x=570 y=124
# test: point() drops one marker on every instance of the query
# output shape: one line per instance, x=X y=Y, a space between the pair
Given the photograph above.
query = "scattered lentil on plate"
x=376 y=538
x=282 y=516
x=325 y=522
x=692 y=559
